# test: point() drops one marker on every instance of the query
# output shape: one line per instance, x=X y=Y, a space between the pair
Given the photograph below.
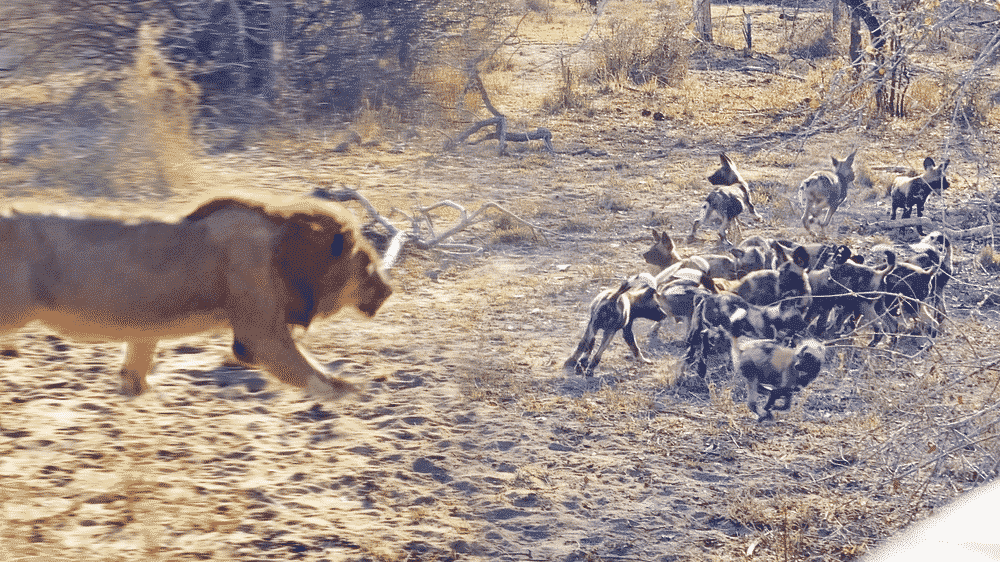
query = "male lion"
x=230 y=264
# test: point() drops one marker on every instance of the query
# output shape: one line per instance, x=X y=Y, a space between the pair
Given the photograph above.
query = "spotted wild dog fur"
x=777 y=371
x=910 y=192
x=728 y=201
x=613 y=310
x=718 y=320
x=825 y=190
x=663 y=254
x=849 y=288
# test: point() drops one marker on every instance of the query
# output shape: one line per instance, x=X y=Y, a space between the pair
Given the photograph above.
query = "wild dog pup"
x=909 y=192
x=663 y=254
x=728 y=202
x=850 y=288
x=724 y=318
x=613 y=310
x=826 y=190
x=771 y=285
x=906 y=289
x=777 y=371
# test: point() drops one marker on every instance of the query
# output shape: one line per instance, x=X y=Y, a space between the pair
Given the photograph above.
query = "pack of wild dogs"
x=770 y=303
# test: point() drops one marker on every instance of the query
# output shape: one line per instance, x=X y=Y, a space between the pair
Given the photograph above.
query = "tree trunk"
x=703 y=19
x=854 y=50
x=279 y=41
x=860 y=9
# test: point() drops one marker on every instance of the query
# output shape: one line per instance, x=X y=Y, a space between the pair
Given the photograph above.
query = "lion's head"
x=320 y=256
x=327 y=265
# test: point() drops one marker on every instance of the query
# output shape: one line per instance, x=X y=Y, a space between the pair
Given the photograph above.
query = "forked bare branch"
x=422 y=221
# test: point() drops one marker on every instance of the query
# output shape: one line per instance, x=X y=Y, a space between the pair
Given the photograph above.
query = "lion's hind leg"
x=138 y=361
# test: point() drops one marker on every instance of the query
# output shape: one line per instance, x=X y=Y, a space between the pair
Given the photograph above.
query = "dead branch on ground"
x=422 y=233
x=498 y=120
x=976 y=232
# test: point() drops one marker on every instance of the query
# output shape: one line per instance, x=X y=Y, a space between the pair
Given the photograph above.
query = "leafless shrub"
x=539 y=6
x=628 y=53
x=568 y=96
x=989 y=258
x=818 y=44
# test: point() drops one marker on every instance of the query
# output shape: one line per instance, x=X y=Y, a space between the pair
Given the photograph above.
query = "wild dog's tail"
x=634 y=282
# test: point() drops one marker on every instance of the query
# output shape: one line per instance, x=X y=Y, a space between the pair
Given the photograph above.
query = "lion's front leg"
x=278 y=354
x=138 y=361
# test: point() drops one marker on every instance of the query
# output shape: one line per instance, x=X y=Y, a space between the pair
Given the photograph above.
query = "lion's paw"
x=330 y=387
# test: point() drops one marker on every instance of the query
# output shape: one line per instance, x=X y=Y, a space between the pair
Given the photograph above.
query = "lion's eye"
x=337 y=247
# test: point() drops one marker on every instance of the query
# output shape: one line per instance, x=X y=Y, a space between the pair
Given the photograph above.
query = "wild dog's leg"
x=830 y=210
x=753 y=396
x=706 y=210
x=874 y=314
x=583 y=349
x=807 y=215
x=920 y=213
x=608 y=334
x=275 y=351
x=723 y=229
x=784 y=394
x=138 y=360
x=629 y=336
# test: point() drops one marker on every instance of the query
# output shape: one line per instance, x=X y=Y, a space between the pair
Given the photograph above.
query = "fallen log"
x=499 y=120
x=929 y=225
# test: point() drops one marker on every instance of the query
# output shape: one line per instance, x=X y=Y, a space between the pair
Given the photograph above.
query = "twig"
x=422 y=215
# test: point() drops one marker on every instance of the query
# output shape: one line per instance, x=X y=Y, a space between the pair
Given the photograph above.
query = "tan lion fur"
x=231 y=264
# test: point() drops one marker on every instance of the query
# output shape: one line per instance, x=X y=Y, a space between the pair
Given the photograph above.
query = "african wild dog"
x=768 y=286
x=906 y=290
x=663 y=254
x=827 y=190
x=909 y=192
x=719 y=320
x=849 y=288
x=613 y=310
x=777 y=371
x=728 y=201
x=935 y=249
x=677 y=298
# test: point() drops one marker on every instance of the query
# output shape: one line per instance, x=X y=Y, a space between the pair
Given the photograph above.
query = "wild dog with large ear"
x=771 y=285
x=765 y=246
x=613 y=310
x=728 y=201
x=827 y=190
x=663 y=253
x=777 y=371
x=909 y=192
